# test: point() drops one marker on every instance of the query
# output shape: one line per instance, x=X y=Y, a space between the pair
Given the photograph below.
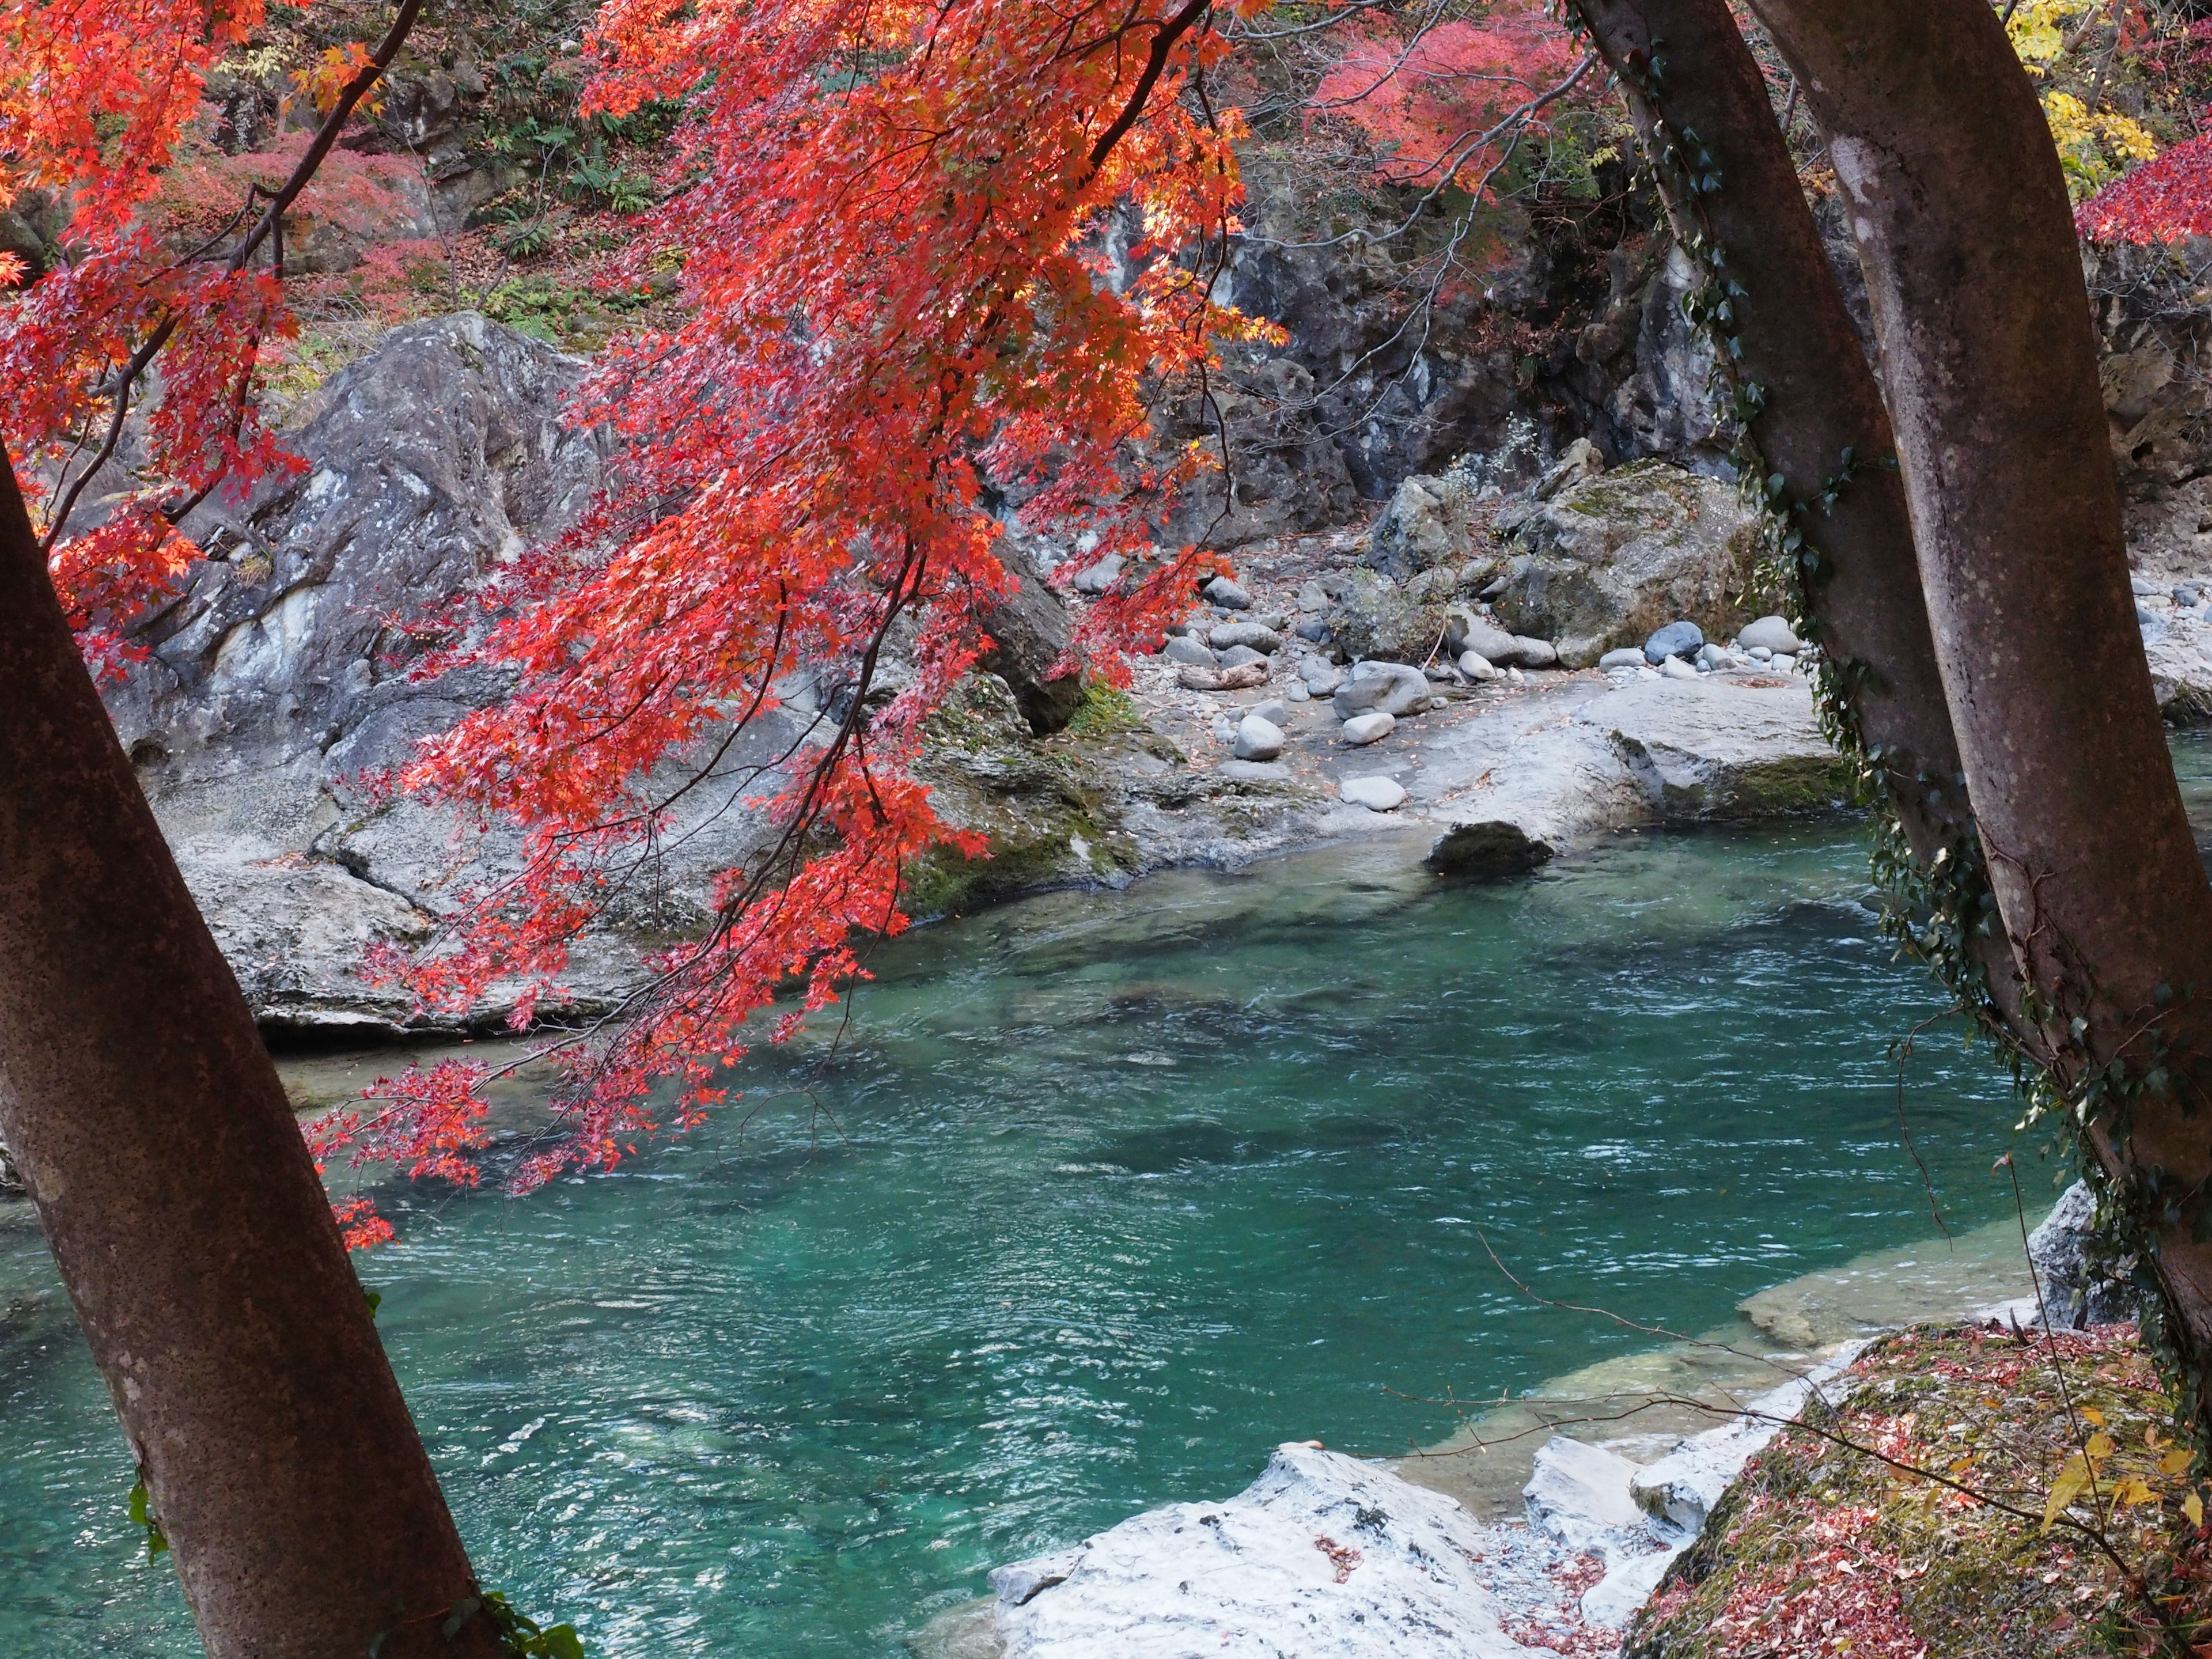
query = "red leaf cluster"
x=2166 y=199
x=1436 y=99
x=900 y=307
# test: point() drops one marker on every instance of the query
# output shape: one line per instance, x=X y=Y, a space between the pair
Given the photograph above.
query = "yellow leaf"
x=2100 y=1447
x=2071 y=1481
x=2176 y=1462
x=2132 y=1489
x=2091 y=1414
x=2193 y=1507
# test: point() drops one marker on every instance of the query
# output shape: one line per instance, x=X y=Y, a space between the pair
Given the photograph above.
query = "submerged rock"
x=1487 y=850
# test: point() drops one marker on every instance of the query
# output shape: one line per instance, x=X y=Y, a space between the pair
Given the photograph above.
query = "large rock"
x=1429 y=521
x=279 y=674
x=2082 y=1278
x=1370 y=615
x=1323 y=1556
x=1031 y=632
x=1716 y=748
x=1608 y=560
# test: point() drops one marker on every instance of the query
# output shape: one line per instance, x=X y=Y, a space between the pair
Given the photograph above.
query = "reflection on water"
x=1097 y=1199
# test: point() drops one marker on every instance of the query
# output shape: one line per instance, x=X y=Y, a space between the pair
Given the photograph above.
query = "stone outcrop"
x=1611 y=558
x=2082 y=1280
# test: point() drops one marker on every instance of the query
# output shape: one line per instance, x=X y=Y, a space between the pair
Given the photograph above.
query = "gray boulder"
x=1774 y=633
x=2083 y=1282
x=1227 y=595
x=1372 y=616
x=1096 y=579
x=1428 y=522
x=1611 y=558
x=1464 y=631
x=1679 y=639
x=1030 y=631
x=1188 y=652
x=1391 y=687
x=1377 y=794
x=1371 y=727
x=1258 y=739
x=1254 y=635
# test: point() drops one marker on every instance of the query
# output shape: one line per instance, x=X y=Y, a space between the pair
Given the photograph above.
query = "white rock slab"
x=1323 y=1557
x=1680 y=1489
x=1375 y=794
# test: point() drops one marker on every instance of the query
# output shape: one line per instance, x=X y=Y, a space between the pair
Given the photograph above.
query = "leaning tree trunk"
x=182 y=1207
x=1700 y=104
x=1962 y=222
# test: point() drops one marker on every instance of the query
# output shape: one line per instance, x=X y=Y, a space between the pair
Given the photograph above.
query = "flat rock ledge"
x=1327 y=1556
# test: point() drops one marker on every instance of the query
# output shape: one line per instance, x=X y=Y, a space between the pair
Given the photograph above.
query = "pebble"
x=1783 y=661
x=2142 y=585
x=1773 y=633
x=1760 y=654
x=1375 y=794
x=1258 y=739
x=1476 y=667
x=1675 y=669
x=1364 y=729
x=1184 y=649
x=2188 y=594
x=1312 y=631
x=1227 y=595
x=1676 y=638
x=1295 y=691
x=1628 y=656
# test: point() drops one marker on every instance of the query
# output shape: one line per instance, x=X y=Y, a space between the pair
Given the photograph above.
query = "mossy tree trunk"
x=1988 y=359
x=1701 y=106
x=182 y=1208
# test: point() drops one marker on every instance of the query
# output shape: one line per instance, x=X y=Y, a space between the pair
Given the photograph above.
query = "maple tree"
x=1445 y=101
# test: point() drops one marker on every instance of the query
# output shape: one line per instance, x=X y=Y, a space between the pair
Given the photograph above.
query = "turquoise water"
x=1095 y=1201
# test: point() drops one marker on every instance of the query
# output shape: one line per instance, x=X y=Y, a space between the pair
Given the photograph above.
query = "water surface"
x=1095 y=1201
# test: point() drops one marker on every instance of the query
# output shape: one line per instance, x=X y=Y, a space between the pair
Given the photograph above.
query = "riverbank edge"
x=1608 y=1546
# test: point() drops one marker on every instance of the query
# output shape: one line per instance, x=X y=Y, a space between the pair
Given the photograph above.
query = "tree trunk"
x=1684 y=70
x=182 y=1207
x=1989 y=354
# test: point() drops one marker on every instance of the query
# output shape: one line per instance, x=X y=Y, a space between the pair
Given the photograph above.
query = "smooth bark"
x=1690 y=79
x=1990 y=361
x=182 y=1207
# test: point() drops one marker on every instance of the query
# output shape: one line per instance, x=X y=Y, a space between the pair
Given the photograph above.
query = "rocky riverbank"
x=277 y=682
x=1670 y=1538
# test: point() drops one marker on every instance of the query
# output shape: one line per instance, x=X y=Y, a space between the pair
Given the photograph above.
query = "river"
x=1095 y=1199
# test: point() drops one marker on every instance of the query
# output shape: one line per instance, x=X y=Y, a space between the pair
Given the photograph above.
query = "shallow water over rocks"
x=1096 y=1200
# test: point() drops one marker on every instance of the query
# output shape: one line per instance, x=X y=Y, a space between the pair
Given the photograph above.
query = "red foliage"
x=2164 y=200
x=95 y=99
x=890 y=263
x=1433 y=97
